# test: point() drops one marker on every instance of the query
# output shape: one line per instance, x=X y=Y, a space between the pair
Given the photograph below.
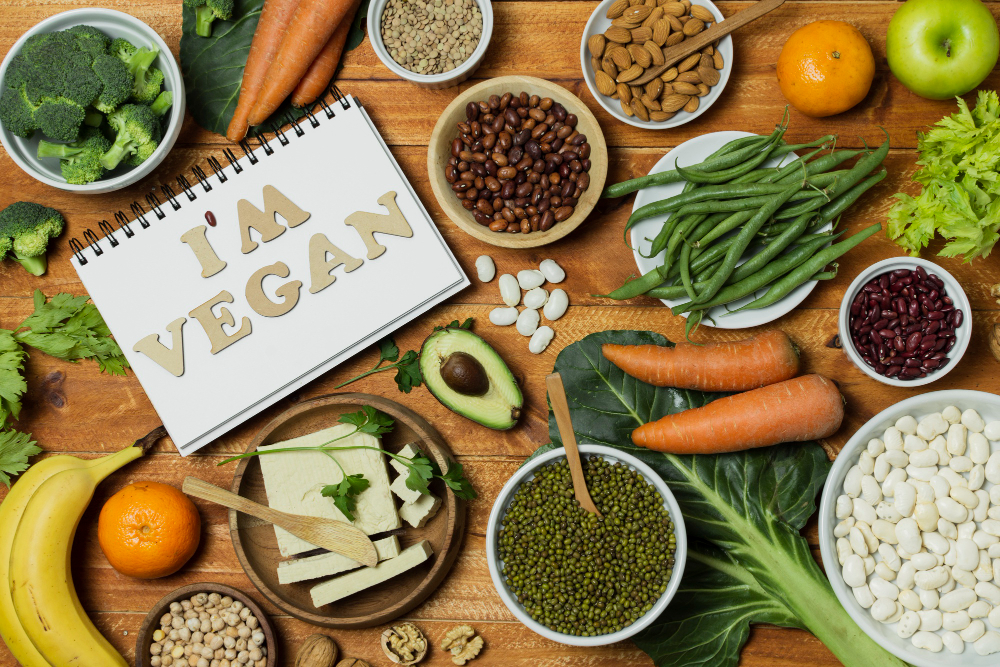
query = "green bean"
x=675 y=239
x=685 y=263
x=636 y=287
x=696 y=175
x=806 y=271
x=795 y=166
x=785 y=149
x=772 y=250
x=820 y=165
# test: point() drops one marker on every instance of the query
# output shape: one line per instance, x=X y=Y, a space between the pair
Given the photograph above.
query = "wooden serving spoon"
x=676 y=53
x=336 y=536
x=560 y=408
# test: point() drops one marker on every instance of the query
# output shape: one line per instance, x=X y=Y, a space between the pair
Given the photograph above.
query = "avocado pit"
x=463 y=373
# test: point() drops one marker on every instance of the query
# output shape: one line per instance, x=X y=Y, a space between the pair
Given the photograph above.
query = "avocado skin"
x=500 y=407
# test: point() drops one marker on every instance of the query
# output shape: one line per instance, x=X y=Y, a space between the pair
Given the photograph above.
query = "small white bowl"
x=988 y=406
x=963 y=334
x=495 y=564
x=598 y=23
x=435 y=81
x=113 y=24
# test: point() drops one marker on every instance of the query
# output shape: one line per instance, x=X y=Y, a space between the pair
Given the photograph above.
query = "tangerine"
x=148 y=530
x=825 y=68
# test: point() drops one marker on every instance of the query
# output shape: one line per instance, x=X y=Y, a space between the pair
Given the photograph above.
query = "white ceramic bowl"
x=495 y=564
x=954 y=290
x=445 y=79
x=988 y=405
x=113 y=24
x=598 y=23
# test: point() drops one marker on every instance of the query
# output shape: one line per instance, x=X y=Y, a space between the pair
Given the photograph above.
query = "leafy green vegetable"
x=15 y=448
x=368 y=420
x=344 y=493
x=407 y=369
x=12 y=383
x=357 y=33
x=959 y=160
x=747 y=562
x=455 y=324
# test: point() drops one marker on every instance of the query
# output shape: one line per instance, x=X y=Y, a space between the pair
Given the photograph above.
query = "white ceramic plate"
x=692 y=152
x=988 y=406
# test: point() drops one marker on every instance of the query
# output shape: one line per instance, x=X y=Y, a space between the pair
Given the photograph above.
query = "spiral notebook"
x=240 y=286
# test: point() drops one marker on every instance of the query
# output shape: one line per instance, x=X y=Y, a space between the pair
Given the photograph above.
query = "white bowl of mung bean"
x=432 y=43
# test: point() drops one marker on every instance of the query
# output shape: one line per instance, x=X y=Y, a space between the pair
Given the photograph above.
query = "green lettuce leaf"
x=743 y=512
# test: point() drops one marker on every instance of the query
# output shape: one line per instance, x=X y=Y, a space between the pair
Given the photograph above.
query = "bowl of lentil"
x=432 y=43
x=554 y=124
x=616 y=574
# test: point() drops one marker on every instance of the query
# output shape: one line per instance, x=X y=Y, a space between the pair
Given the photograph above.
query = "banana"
x=39 y=576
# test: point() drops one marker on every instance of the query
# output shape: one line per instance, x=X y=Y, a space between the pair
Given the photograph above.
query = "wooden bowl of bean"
x=524 y=191
x=209 y=617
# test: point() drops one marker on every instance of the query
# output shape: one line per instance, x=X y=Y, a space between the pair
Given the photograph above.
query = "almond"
x=691 y=76
x=709 y=75
x=654 y=88
x=674 y=39
x=614 y=96
x=637 y=13
x=669 y=75
x=708 y=49
x=689 y=63
x=633 y=3
x=661 y=30
x=685 y=88
x=622 y=58
x=608 y=67
x=692 y=105
x=673 y=9
x=624 y=92
x=705 y=61
x=702 y=14
x=687 y=5
x=703 y=90
x=653 y=17
x=642 y=35
x=668 y=90
x=693 y=27
x=650 y=104
x=639 y=109
x=617 y=8
x=717 y=61
x=633 y=72
x=650 y=3
x=605 y=84
x=595 y=63
x=596 y=45
x=640 y=55
x=627 y=108
x=675 y=23
x=673 y=102
x=618 y=35
x=660 y=116
x=622 y=22
x=655 y=52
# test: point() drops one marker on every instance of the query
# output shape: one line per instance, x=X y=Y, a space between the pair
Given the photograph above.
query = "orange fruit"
x=148 y=530
x=825 y=68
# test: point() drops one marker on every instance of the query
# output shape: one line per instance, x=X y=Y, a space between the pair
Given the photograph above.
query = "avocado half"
x=468 y=377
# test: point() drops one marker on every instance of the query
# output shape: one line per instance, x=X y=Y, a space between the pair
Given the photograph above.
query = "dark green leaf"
x=387 y=350
x=355 y=484
x=346 y=505
x=15 y=448
x=456 y=481
x=357 y=33
x=455 y=324
x=12 y=383
x=408 y=373
x=422 y=471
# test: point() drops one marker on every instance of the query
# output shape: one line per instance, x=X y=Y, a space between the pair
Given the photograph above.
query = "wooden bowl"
x=152 y=622
x=439 y=151
x=257 y=548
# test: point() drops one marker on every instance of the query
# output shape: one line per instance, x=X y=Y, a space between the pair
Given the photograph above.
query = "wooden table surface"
x=73 y=408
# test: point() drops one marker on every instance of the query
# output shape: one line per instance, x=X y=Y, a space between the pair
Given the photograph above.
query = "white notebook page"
x=152 y=278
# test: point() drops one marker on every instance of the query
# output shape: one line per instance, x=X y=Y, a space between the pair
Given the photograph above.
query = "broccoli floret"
x=90 y=39
x=16 y=113
x=162 y=104
x=59 y=118
x=93 y=118
x=116 y=79
x=206 y=11
x=139 y=62
x=26 y=228
x=138 y=131
x=80 y=161
x=145 y=91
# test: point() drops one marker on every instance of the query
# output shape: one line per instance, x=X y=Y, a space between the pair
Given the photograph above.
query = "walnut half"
x=463 y=644
x=404 y=644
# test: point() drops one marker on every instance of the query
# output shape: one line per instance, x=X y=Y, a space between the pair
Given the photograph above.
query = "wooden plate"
x=152 y=622
x=257 y=547
x=439 y=151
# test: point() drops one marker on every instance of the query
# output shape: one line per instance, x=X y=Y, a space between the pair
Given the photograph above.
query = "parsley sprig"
x=15 y=448
x=407 y=368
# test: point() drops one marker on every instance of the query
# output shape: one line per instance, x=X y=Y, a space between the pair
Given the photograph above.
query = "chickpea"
x=196 y=646
x=166 y=661
x=244 y=612
x=187 y=650
x=198 y=637
x=257 y=638
x=230 y=654
x=174 y=635
x=155 y=661
x=237 y=605
x=243 y=631
x=190 y=614
x=185 y=605
x=167 y=645
x=232 y=632
x=243 y=657
x=255 y=654
x=215 y=642
x=252 y=622
x=202 y=663
x=177 y=622
x=192 y=661
x=175 y=608
x=207 y=653
x=158 y=635
x=229 y=642
x=205 y=626
x=220 y=653
x=214 y=598
x=177 y=652
x=217 y=623
x=226 y=601
x=165 y=620
x=241 y=644
x=215 y=663
x=155 y=648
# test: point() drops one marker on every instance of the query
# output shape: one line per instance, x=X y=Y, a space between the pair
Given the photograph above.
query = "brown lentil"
x=431 y=37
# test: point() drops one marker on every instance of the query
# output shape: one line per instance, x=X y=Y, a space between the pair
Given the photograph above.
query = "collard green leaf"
x=357 y=33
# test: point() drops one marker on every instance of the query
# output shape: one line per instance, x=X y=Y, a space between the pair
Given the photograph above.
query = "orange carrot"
x=760 y=360
x=319 y=74
x=273 y=23
x=804 y=408
x=313 y=22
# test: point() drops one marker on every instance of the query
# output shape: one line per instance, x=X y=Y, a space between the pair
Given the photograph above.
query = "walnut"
x=459 y=635
x=404 y=644
x=470 y=651
x=353 y=662
x=463 y=643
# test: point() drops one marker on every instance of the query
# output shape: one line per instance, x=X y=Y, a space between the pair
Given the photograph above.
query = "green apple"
x=942 y=48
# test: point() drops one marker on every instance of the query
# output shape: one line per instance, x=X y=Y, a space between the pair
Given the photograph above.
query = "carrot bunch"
x=774 y=406
x=295 y=51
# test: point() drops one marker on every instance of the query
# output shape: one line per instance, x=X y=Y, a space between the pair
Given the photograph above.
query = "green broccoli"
x=206 y=11
x=80 y=161
x=162 y=103
x=93 y=118
x=90 y=39
x=139 y=61
x=117 y=82
x=138 y=132
x=26 y=229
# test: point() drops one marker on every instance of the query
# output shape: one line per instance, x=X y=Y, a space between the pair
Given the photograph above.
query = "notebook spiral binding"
x=187 y=189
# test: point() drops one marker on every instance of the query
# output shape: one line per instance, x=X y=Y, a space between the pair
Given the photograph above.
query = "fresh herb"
x=343 y=493
x=747 y=561
x=454 y=324
x=15 y=448
x=12 y=382
x=407 y=369
x=959 y=159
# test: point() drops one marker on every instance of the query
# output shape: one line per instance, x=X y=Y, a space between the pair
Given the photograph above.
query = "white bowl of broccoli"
x=110 y=116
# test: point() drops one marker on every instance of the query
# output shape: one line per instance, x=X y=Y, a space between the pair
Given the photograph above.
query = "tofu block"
x=294 y=481
x=409 y=451
x=421 y=511
x=405 y=493
x=353 y=582
x=325 y=565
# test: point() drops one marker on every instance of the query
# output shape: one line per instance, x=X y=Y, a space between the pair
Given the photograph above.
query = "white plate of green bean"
x=688 y=153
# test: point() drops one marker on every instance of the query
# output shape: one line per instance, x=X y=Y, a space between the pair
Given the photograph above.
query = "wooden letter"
x=263 y=221
x=203 y=250
x=170 y=358
x=320 y=269
x=213 y=325
x=259 y=301
x=366 y=224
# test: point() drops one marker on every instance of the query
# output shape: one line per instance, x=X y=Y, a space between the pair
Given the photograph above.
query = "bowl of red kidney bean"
x=905 y=321
x=517 y=161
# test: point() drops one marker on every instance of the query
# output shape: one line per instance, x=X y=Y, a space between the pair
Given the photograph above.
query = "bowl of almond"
x=622 y=54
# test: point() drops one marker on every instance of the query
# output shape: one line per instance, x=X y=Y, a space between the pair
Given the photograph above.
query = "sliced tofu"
x=294 y=481
x=353 y=582
x=418 y=513
x=405 y=493
x=325 y=565
x=408 y=452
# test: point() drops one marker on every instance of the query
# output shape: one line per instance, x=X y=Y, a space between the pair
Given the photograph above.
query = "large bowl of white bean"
x=206 y=625
x=909 y=529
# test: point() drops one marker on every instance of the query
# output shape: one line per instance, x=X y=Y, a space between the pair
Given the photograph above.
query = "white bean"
x=968 y=555
x=844 y=506
x=910 y=600
x=843 y=549
x=952 y=510
x=866 y=462
x=956 y=439
x=914 y=443
x=922 y=473
x=926 y=515
x=927 y=457
x=509 y=290
x=897 y=458
x=956 y=620
x=889 y=556
x=988 y=591
x=883 y=589
x=963 y=577
x=934 y=578
x=907 y=425
x=952 y=414
x=993 y=466
x=975 y=630
x=953 y=477
x=883 y=610
x=885 y=510
x=906 y=577
x=992 y=430
x=875 y=447
x=869 y=563
x=953 y=642
x=995 y=495
x=994 y=552
x=908 y=534
x=893 y=438
x=870 y=490
x=947 y=528
x=527 y=321
x=863 y=511
x=935 y=543
x=882 y=468
x=540 y=339
x=843 y=528
x=965 y=497
x=552 y=271
x=928 y=641
x=988 y=644
x=882 y=570
x=908 y=624
x=889 y=485
x=868 y=535
x=904 y=498
x=991 y=526
x=536 y=298
x=924 y=561
x=931 y=426
x=864 y=596
x=940 y=485
x=960 y=598
x=983 y=539
x=981 y=511
x=977 y=476
x=980 y=609
x=972 y=421
x=530 y=279
x=951 y=557
x=940 y=445
x=556 y=306
x=485 y=268
x=929 y=599
x=503 y=317
x=930 y=620
x=993 y=617
x=854 y=571
x=979 y=448
x=885 y=531
x=984 y=571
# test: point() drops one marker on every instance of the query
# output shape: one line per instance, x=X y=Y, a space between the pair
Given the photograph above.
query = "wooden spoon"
x=674 y=54
x=336 y=536
x=557 y=396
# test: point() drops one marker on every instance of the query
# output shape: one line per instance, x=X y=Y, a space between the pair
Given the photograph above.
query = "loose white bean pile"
x=208 y=630
x=553 y=305
x=916 y=500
